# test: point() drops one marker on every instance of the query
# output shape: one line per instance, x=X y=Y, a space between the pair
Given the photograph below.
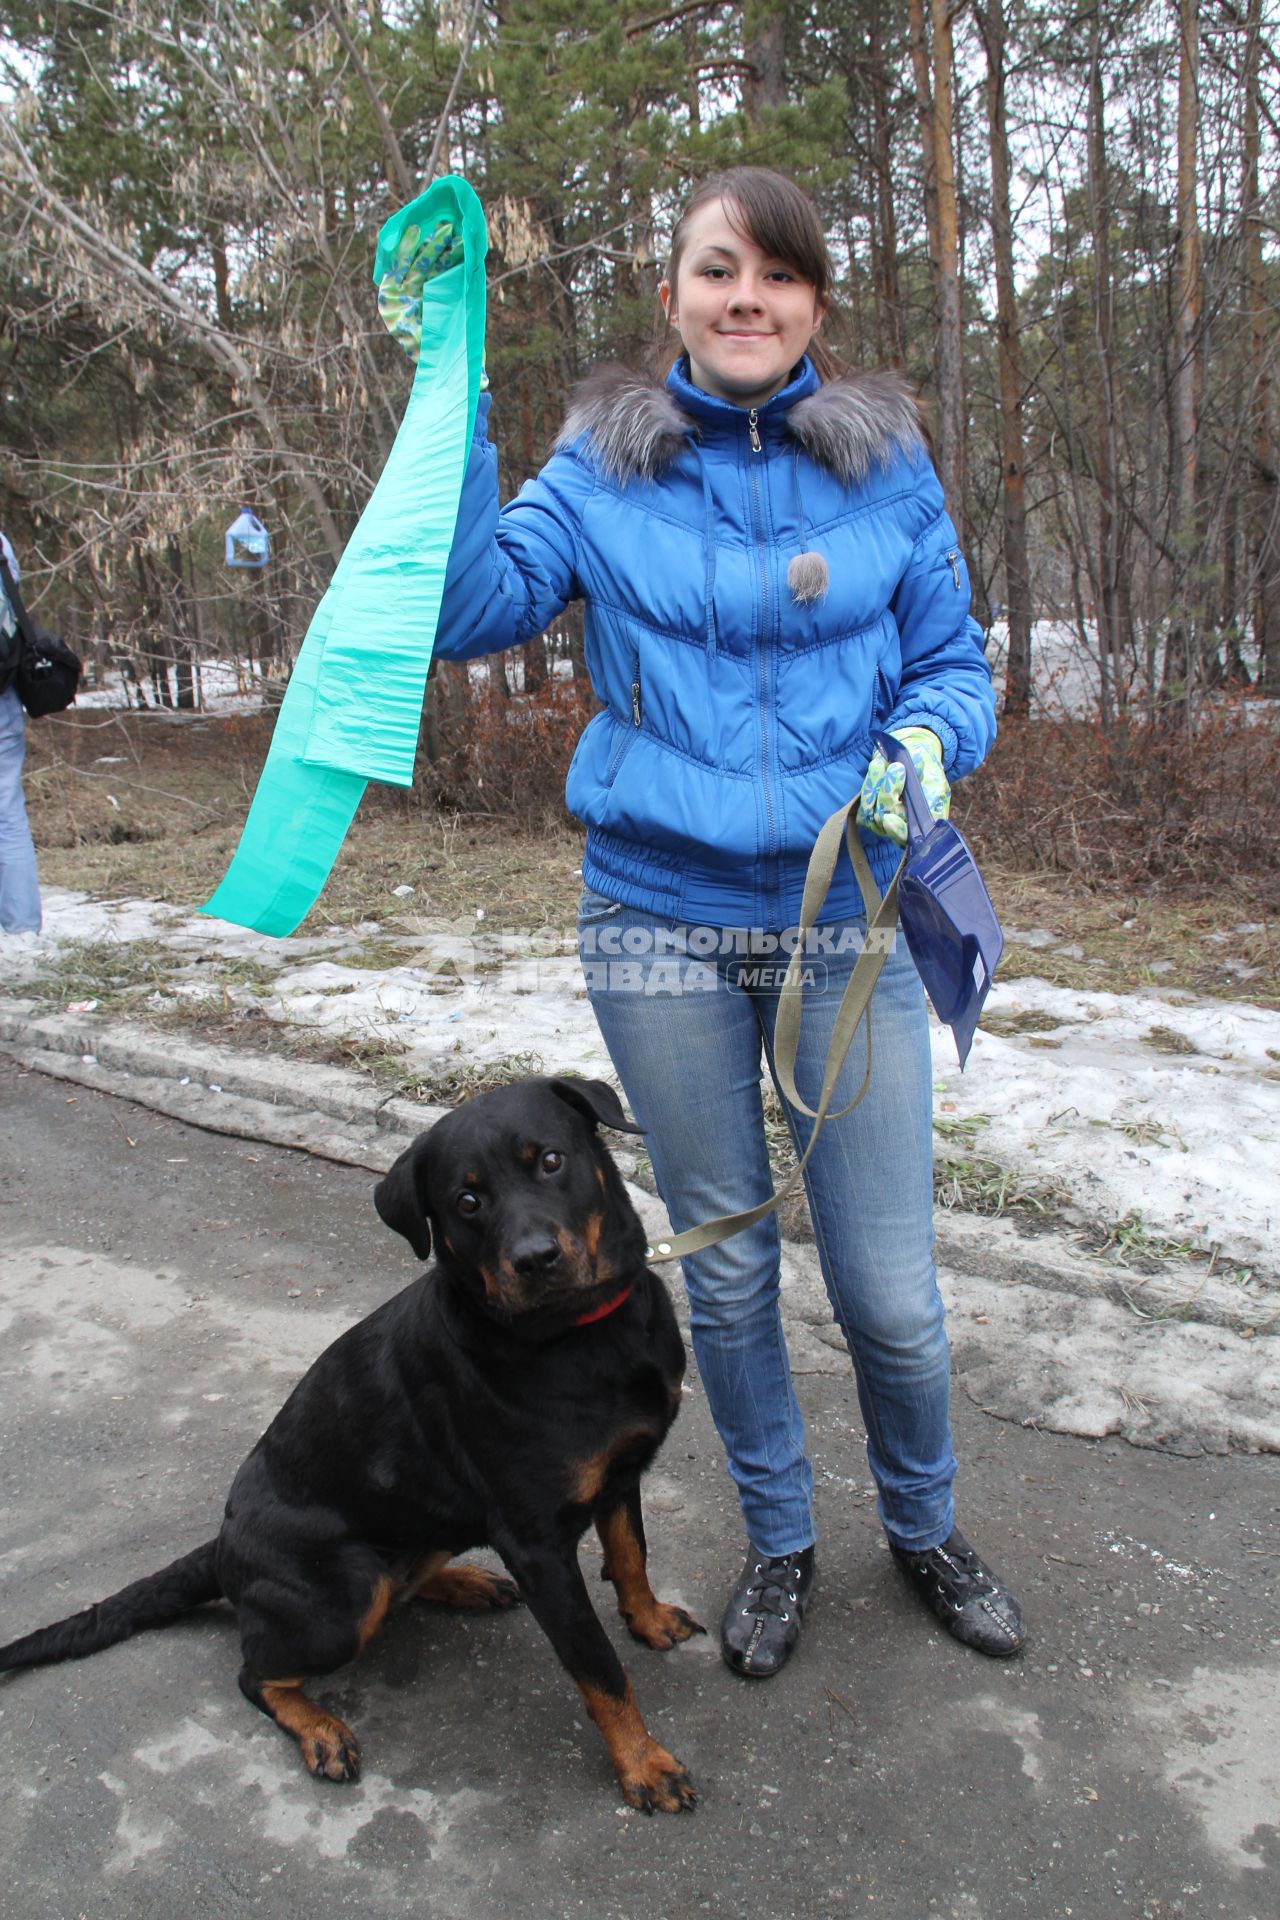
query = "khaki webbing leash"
x=842 y=826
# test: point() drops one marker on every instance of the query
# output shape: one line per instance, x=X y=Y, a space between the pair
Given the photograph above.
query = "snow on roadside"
x=1149 y=1104
x=1156 y=1105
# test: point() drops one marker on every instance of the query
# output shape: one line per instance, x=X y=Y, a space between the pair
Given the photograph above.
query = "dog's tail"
x=152 y=1602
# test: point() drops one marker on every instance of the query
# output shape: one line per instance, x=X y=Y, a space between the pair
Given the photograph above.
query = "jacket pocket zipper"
x=953 y=561
x=635 y=703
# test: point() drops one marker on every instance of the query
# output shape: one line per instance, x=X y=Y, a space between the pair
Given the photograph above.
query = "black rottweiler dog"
x=510 y=1397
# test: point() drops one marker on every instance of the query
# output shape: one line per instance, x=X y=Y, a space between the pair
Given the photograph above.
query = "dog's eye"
x=468 y=1203
x=552 y=1160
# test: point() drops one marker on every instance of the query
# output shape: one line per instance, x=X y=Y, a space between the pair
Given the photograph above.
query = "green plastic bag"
x=353 y=705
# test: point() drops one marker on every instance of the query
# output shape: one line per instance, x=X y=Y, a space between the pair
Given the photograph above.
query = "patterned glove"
x=880 y=806
x=419 y=257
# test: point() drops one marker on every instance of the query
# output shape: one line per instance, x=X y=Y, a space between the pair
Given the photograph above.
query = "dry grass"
x=1221 y=941
x=150 y=806
x=1135 y=807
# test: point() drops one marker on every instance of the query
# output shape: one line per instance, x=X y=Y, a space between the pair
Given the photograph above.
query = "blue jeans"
x=19 y=892
x=684 y=1013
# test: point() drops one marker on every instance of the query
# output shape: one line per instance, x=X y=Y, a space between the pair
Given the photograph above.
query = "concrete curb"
x=286 y=1103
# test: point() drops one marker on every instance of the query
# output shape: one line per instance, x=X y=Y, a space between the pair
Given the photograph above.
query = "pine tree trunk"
x=765 y=84
x=890 y=325
x=1106 y=567
x=951 y=401
x=1017 y=690
x=180 y=627
x=1262 y=535
x=1187 y=344
x=924 y=115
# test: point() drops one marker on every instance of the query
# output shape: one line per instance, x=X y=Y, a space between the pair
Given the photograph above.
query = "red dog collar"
x=605 y=1307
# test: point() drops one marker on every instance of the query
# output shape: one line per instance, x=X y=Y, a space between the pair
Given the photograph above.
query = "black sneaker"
x=965 y=1595
x=762 y=1621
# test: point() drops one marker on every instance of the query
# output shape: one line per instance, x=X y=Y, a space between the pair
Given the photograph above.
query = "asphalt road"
x=160 y=1290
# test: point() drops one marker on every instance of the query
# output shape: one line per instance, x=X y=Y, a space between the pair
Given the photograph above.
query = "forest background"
x=1060 y=223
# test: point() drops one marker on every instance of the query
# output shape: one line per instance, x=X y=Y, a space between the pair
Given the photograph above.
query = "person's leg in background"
x=19 y=888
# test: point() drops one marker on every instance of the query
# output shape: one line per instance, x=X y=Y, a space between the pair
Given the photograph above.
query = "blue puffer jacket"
x=762 y=590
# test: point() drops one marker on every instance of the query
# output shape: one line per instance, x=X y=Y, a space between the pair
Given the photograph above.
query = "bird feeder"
x=248 y=542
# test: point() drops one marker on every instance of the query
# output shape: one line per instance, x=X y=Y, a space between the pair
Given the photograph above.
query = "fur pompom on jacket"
x=762 y=588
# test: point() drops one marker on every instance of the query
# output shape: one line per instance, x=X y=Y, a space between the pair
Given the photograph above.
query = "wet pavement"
x=160 y=1290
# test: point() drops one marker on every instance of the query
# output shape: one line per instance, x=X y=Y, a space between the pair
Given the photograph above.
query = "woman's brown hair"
x=780 y=218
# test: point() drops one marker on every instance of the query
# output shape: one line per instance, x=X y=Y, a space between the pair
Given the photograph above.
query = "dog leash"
x=841 y=828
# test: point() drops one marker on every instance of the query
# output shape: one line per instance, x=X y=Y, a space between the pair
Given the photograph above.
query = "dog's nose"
x=535 y=1255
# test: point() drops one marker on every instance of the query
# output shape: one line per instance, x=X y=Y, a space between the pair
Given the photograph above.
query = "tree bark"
x=1106 y=567
x=1017 y=586
x=764 y=84
x=947 y=292
x=1186 y=394
x=890 y=322
x=1263 y=497
x=924 y=115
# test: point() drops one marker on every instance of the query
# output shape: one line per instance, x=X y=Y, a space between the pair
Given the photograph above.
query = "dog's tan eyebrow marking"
x=471 y=1179
x=527 y=1152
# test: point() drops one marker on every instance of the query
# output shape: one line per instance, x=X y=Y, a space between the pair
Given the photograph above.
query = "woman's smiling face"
x=744 y=319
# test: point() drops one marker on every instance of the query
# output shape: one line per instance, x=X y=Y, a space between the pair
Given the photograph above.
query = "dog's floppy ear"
x=596 y=1101
x=398 y=1199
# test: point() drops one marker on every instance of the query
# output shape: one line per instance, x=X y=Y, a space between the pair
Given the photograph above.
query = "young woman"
x=769 y=574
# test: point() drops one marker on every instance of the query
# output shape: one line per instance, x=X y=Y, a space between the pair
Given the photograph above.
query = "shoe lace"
x=771 y=1587
x=960 y=1575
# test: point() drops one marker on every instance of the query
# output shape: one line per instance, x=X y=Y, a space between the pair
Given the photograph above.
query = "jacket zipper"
x=953 y=561
x=635 y=703
x=766 y=614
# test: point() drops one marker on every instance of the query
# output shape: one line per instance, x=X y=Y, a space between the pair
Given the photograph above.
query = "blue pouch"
x=946 y=913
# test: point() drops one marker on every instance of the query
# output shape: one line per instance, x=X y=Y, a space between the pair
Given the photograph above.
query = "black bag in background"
x=47 y=673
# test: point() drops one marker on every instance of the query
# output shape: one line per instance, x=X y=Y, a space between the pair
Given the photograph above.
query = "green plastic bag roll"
x=353 y=705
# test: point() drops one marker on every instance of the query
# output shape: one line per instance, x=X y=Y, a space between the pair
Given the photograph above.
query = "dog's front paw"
x=662 y=1625
x=659 y=1784
x=331 y=1751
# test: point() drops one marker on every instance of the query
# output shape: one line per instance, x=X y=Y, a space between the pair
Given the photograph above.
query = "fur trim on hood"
x=855 y=423
x=636 y=429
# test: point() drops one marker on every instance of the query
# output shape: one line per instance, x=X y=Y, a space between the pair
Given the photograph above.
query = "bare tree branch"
x=402 y=180
x=442 y=125
x=161 y=298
